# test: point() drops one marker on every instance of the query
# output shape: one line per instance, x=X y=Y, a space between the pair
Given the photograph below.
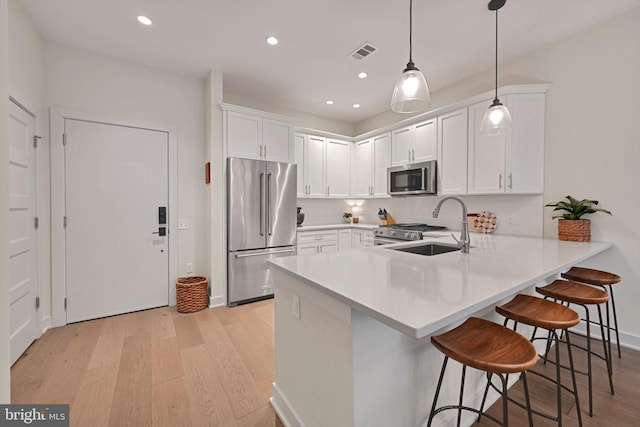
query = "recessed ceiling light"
x=356 y=105
x=329 y=102
x=362 y=75
x=144 y=20
x=272 y=40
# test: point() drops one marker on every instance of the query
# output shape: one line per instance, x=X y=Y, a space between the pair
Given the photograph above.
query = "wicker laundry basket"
x=192 y=293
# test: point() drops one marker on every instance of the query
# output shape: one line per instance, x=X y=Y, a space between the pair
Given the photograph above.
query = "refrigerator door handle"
x=265 y=253
x=269 y=225
x=261 y=204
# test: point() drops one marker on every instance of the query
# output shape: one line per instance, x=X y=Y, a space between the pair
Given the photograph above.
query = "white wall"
x=5 y=380
x=592 y=134
x=26 y=85
x=83 y=81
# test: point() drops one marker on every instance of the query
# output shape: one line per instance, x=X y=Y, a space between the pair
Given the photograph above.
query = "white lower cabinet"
x=315 y=242
x=361 y=238
x=344 y=239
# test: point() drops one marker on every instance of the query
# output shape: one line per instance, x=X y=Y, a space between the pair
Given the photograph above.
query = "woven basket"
x=575 y=230
x=192 y=293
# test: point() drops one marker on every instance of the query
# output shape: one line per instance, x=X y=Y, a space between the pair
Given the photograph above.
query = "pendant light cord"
x=496 y=98
x=410 y=29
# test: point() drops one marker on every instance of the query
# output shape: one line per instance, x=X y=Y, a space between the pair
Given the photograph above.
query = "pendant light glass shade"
x=411 y=93
x=497 y=119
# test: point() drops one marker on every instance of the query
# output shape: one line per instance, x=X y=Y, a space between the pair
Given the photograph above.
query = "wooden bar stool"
x=604 y=280
x=583 y=295
x=540 y=313
x=488 y=347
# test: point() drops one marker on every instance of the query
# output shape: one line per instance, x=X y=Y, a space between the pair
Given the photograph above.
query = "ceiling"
x=452 y=40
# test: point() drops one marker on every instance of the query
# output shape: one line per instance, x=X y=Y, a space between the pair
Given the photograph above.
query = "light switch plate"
x=183 y=224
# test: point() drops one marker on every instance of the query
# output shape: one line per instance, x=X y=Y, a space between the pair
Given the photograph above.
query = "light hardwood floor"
x=215 y=368
x=156 y=367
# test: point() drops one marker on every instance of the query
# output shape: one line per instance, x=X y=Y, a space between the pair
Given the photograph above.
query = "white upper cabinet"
x=381 y=161
x=426 y=146
x=486 y=155
x=363 y=168
x=512 y=162
x=338 y=170
x=373 y=157
x=525 y=143
x=402 y=145
x=452 y=142
x=301 y=147
x=310 y=157
x=415 y=143
x=252 y=134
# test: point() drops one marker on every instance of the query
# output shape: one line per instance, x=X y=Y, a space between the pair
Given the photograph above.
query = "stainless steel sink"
x=429 y=249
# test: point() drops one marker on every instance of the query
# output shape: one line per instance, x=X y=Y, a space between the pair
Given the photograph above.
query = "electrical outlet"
x=295 y=306
x=510 y=221
x=183 y=224
x=189 y=267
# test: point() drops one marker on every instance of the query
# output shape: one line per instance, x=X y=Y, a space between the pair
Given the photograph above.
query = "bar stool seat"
x=591 y=276
x=603 y=279
x=540 y=313
x=585 y=295
x=573 y=292
x=489 y=347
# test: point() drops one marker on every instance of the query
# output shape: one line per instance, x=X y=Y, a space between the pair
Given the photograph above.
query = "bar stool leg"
x=573 y=380
x=435 y=398
x=527 y=399
x=505 y=401
x=460 y=399
x=615 y=320
x=607 y=354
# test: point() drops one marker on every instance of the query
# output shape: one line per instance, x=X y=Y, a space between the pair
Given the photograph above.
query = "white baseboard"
x=626 y=340
x=217 y=301
x=45 y=324
x=282 y=407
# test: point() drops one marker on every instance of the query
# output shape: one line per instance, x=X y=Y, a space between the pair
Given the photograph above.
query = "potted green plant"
x=571 y=226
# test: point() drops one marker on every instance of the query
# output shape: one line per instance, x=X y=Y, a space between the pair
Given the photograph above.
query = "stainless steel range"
x=395 y=233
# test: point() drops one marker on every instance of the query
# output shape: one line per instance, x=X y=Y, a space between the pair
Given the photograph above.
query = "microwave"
x=412 y=179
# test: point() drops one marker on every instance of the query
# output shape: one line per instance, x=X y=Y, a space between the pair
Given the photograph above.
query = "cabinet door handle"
x=409 y=154
x=328 y=191
x=510 y=181
x=500 y=182
x=413 y=155
x=265 y=150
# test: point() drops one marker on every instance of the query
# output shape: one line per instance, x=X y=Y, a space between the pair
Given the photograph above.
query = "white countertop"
x=418 y=295
x=321 y=227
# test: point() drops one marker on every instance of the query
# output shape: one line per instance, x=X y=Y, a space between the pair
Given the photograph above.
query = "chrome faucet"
x=464 y=241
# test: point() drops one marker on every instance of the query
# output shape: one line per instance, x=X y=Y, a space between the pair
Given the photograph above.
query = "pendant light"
x=411 y=92
x=497 y=119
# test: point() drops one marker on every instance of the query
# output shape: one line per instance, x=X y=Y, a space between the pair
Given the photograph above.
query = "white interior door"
x=22 y=237
x=116 y=178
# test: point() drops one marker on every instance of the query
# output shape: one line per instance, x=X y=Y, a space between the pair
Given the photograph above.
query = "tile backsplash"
x=517 y=214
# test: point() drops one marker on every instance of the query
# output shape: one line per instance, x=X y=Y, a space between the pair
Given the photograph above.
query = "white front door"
x=22 y=237
x=116 y=179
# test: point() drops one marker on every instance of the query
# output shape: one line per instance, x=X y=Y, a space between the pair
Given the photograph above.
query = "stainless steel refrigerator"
x=261 y=218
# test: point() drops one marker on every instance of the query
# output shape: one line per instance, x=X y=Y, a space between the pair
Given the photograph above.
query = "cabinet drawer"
x=317 y=236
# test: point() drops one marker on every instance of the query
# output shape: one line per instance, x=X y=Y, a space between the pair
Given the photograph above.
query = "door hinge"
x=65 y=303
x=64 y=139
x=36 y=222
x=35 y=140
x=37 y=303
x=64 y=221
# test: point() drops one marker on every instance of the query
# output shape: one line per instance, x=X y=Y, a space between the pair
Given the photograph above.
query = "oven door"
x=379 y=241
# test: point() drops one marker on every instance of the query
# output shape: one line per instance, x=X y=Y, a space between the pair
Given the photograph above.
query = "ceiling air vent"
x=363 y=51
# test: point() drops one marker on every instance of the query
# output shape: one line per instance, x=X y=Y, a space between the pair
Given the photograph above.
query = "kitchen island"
x=352 y=328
